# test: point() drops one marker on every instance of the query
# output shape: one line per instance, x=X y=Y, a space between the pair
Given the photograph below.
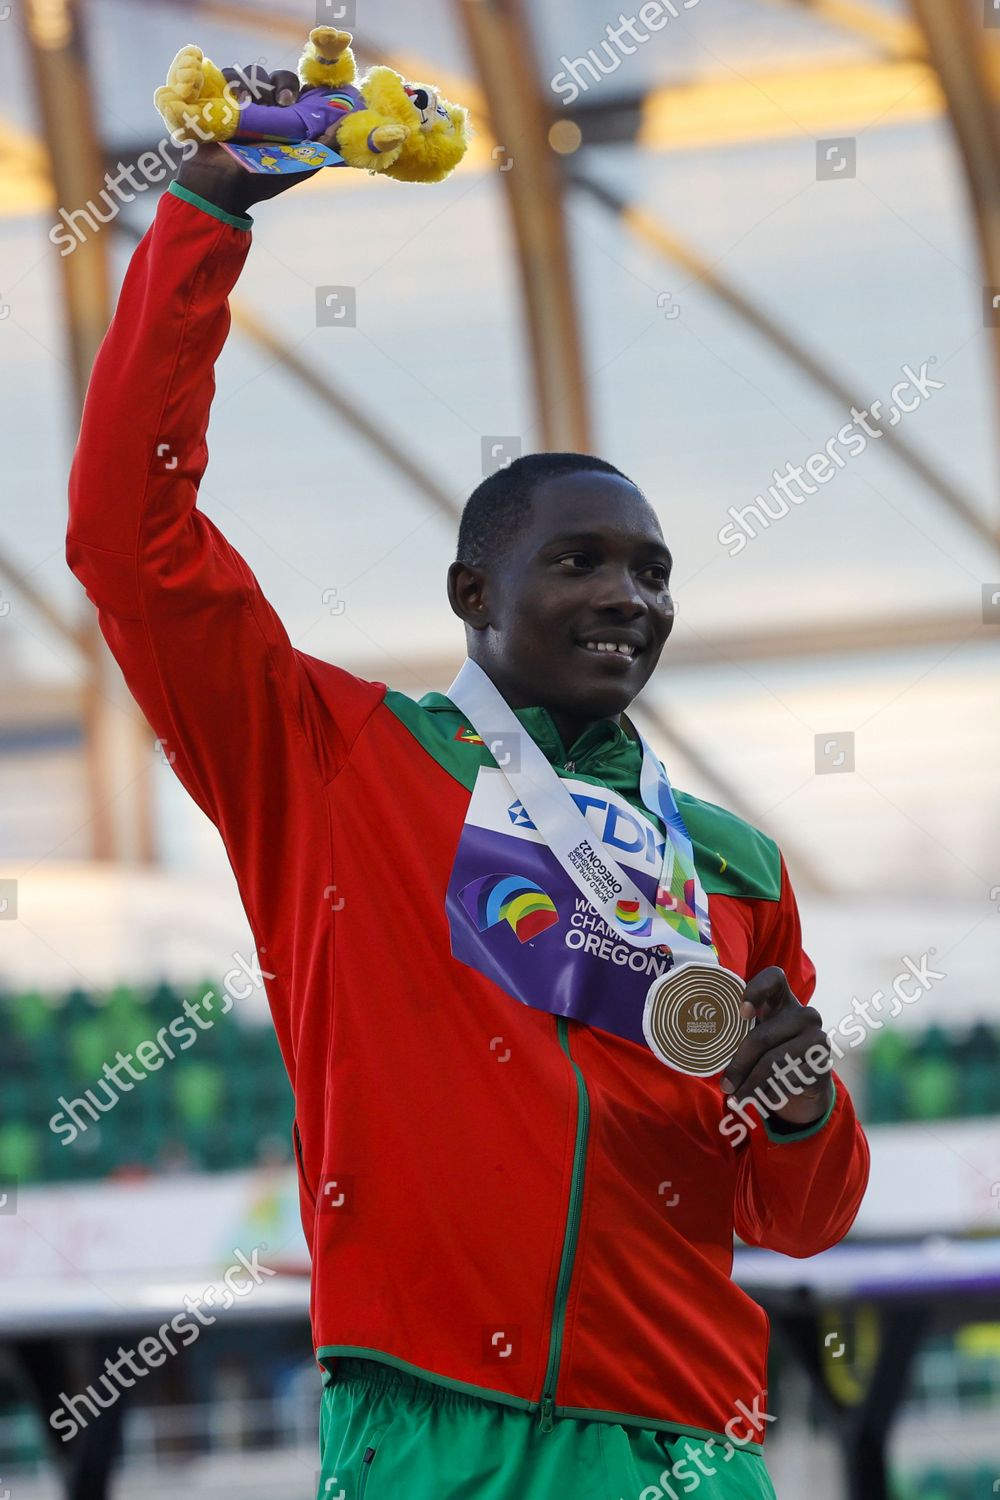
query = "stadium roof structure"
x=763 y=215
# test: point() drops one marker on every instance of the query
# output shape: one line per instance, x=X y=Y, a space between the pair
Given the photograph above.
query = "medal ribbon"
x=679 y=918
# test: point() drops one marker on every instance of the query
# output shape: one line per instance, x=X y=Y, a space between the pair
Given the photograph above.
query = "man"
x=520 y=1219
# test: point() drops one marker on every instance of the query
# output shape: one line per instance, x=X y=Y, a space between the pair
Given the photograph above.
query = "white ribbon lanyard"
x=582 y=854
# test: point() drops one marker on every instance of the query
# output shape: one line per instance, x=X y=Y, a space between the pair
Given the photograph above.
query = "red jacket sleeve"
x=244 y=719
x=798 y=1193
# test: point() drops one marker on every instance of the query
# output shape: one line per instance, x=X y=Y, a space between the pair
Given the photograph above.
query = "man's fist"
x=783 y=1066
x=215 y=174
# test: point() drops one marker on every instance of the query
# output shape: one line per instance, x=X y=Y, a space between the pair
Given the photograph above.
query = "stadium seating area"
x=934 y=1074
x=223 y=1101
x=948 y=1484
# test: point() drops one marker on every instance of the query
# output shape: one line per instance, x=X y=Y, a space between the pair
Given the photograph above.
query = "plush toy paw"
x=196 y=102
x=327 y=43
x=213 y=119
x=170 y=108
x=183 y=85
x=327 y=59
x=385 y=138
x=368 y=140
x=185 y=74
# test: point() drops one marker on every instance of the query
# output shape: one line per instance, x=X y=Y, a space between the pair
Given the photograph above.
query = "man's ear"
x=467 y=594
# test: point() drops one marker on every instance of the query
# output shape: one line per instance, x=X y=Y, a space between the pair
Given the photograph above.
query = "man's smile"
x=613 y=646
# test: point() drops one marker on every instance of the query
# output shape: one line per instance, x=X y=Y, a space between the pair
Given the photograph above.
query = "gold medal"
x=691 y=1019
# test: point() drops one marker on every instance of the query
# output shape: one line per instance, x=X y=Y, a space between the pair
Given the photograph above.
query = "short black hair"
x=500 y=504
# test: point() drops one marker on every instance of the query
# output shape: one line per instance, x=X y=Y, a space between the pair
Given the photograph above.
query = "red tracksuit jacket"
x=511 y=1202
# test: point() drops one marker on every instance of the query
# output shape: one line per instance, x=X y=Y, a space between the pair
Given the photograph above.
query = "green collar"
x=602 y=747
x=733 y=858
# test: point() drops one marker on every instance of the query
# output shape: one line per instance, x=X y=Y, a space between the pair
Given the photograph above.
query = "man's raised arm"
x=242 y=716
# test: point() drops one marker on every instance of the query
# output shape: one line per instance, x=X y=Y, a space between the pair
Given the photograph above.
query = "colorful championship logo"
x=512 y=899
x=629 y=914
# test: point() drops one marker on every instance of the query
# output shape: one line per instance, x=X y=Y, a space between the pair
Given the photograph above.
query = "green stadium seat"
x=931 y=1089
x=77 y=1005
x=979 y=1089
x=21 y=1151
x=984 y=1480
x=885 y=1078
x=163 y=1002
x=28 y=1015
x=126 y=1019
x=937 y=1484
x=932 y=1085
x=89 y=1045
x=978 y=1061
x=199 y=1090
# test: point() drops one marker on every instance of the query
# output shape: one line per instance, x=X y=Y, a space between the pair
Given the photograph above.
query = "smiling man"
x=506 y=958
x=558 y=554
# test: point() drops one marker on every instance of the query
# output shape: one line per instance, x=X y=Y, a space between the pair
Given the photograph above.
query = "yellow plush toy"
x=386 y=125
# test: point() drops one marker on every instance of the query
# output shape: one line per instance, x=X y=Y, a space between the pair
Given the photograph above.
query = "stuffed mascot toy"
x=402 y=130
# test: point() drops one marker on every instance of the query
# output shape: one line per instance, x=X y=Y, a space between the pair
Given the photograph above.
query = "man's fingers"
x=286 y=86
x=249 y=83
x=766 y=993
x=254 y=82
x=795 y=1079
x=802 y=1023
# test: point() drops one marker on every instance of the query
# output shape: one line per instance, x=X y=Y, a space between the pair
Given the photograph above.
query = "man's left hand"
x=787 y=1054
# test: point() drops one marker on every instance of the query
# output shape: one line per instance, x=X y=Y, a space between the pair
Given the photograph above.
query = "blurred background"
x=693 y=254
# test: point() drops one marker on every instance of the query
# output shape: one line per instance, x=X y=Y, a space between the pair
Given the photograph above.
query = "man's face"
x=589 y=570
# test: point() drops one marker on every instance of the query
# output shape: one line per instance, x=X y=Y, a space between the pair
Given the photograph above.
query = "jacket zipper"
x=570 y=1237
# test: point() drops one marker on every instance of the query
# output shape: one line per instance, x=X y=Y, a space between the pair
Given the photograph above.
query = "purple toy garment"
x=313 y=113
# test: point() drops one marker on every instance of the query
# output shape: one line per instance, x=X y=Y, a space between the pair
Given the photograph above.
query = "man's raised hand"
x=215 y=174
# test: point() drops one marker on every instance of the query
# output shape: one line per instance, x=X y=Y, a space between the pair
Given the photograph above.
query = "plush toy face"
x=437 y=134
x=426 y=101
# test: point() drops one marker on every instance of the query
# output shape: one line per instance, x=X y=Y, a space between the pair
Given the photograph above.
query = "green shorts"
x=388 y=1435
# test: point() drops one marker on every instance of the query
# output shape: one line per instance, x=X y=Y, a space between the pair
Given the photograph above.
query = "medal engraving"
x=692 y=1020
